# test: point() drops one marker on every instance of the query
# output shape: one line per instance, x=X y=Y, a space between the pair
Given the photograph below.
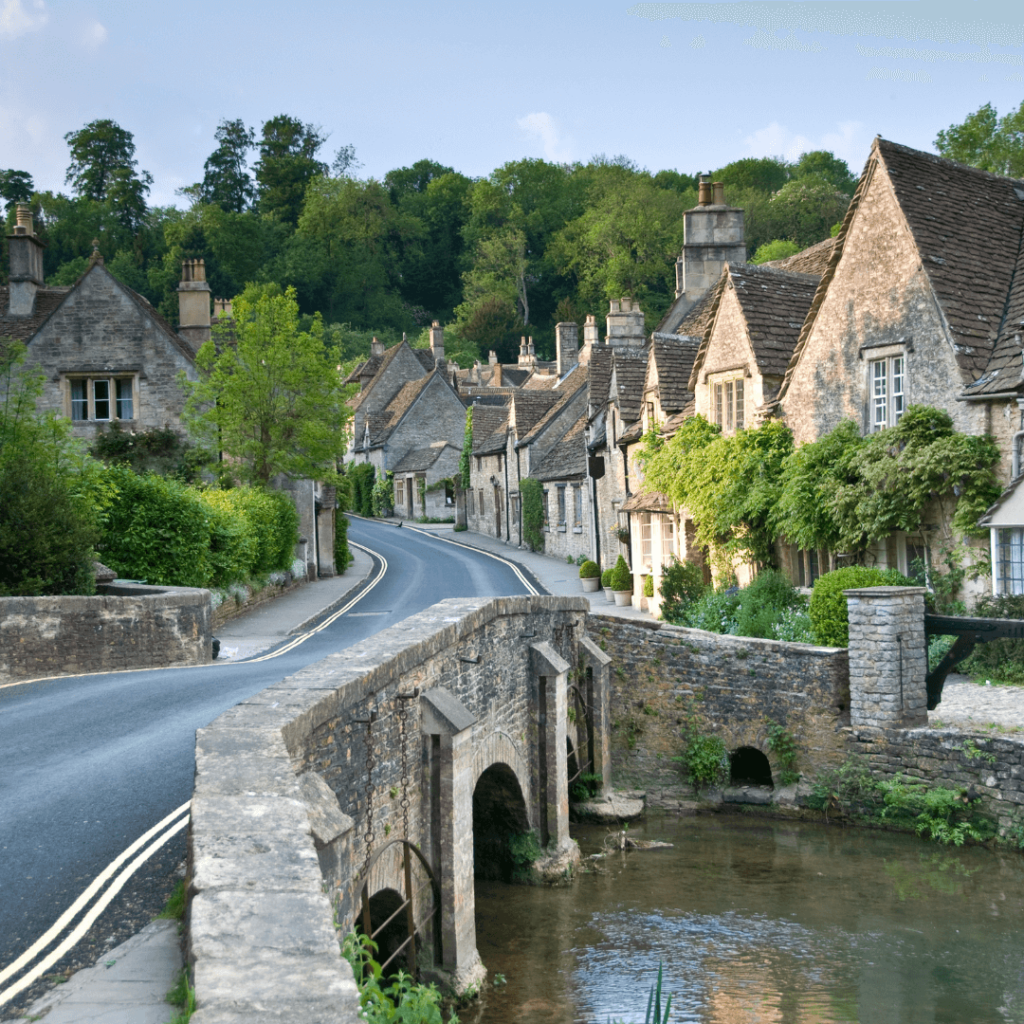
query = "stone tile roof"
x=426 y=358
x=531 y=407
x=383 y=422
x=22 y=328
x=600 y=376
x=420 y=460
x=812 y=260
x=1005 y=370
x=568 y=387
x=489 y=421
x=632 y=433
x=967 y=225
x=568 y=458
x=630 y=373
x=673 y=358
x=368 y=368
x=385 y=362
x=540 y=381
x=697 y=321
x=646 y=501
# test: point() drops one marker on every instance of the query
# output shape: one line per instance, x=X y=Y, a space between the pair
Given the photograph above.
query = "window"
x=561 y=504
x=101 y=398
x=645 y=538
x=650 y=415
x=547 y=517
x=887 y=382
x=728 y=405
x=668 y=537
x=1010 y=561
x=471 y=504
x=577 y=505
x=400 y=493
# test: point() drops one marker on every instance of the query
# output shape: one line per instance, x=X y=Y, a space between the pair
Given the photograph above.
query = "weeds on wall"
x=783 y=745
x=704 y=758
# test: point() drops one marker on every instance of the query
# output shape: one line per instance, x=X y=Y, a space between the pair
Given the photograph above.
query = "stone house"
x=486 y=507
x=921 y=302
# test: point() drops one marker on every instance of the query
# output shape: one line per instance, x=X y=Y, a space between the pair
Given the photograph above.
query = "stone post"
x=597 y=690
x=888 y=657
x=551 y=679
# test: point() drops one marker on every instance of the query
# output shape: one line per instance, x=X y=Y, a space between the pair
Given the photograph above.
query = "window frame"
x=89 y=399
x=886 y=390
x=728 y=400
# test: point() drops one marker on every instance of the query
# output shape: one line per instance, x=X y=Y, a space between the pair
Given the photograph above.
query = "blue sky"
x=684 y=86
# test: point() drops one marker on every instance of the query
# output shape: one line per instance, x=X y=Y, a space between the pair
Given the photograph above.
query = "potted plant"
x=648 y=590
x=622 y=583
x=606 y=584
x=590 y=576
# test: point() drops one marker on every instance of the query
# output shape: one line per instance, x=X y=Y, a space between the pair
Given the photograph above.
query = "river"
x=761 y=921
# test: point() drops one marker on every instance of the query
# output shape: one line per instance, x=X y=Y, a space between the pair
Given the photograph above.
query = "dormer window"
x=888 y=396
x=727 y=404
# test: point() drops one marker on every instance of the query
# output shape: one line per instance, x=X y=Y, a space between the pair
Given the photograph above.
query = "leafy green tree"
x=776 y=249
x=287 y=164
x=761 y=174
x=15 y=187
x=103 y=168
x=270 y=397
x=226 y=180
x=823 y=164
x=985 y=140
x=805 y=209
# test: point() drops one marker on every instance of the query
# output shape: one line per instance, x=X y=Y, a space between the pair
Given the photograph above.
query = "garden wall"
x=123 y=627
x=734 y=685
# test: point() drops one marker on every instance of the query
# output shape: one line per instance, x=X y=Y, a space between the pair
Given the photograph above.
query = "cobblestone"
x=966 y=703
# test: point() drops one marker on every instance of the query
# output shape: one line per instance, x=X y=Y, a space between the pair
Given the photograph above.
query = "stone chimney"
x=524 y=354
x=492 y=357
x=26 y=252
x=194 y=304
x=566 y=347
x=530 y=352
x=712 y=237
x=221 y=309
x=591 y=337
x=376 y=347
x=437 y=342
x=625 y=324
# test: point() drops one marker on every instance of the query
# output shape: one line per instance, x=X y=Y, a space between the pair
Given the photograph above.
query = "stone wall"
x=125 y=627
x=734 y=685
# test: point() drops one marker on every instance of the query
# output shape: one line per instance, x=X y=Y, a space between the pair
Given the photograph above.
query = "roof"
x=566 y=389
x=967 y=225
x=673 y=358
x=420 y=460
x=812 y=260
x=540 y=381
x=530 y=407
x=600 y=375
x=632 y=433
x=385 y=362
x=697 y=321
x=487 y=420
x=630 y=372
x=426 y=358
x=22 y=328
x=646 y=501
x=384 y=422
x=568 y=458
x=368 y=368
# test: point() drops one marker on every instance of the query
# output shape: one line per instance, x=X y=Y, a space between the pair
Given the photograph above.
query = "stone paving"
x=979 y=707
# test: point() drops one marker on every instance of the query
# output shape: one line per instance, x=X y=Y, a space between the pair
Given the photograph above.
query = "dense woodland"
x=491 y=258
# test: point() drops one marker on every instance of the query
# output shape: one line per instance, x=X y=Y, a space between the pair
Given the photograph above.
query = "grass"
x=174 y=908
x=183 y=996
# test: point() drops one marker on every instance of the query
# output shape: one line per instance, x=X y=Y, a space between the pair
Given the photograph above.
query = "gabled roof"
x=697 y=321
x=540 y=381
x=22 y=328
x=420 y=460
x=563 y=394
x=490 y=429
x=529 y=407
x=568 y=458
x=368 y=368
x=426 y=358
x=384 y=422
x=812 y=260
x=673 y=358
x=630 y=371
x=385 y=361
x=600 y=376
x=646 y=501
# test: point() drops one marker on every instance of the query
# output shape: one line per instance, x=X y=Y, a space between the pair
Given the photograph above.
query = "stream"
x=760 y=921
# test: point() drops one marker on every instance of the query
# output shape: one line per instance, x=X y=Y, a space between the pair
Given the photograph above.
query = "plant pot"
x=623 y=598
x=590 y=584
x=609 y=595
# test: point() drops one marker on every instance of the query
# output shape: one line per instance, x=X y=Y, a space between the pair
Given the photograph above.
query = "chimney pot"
x=704 y=191
x=23 y=214
x=718 y=191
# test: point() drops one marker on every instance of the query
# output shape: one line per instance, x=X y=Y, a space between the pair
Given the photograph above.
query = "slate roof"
x=531 y=407
x=600 y=367
x=383 y=422
x=420 y=460
x=426 y=358
x=967 y=225
x=568 y=458
x=385 y=362
x=630 y=372
x=368 y=368
x=540 y=381
x=489 y=420
x=673 y=358
x=569 y=386
x=812 y=260
x=646 y=501
x=697 y=321
x=22 y=328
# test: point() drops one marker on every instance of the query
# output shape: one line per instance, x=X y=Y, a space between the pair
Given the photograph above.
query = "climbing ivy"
x=533 y=513
x=467 y=450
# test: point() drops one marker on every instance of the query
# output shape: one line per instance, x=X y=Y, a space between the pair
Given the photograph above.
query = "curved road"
x=90 y=763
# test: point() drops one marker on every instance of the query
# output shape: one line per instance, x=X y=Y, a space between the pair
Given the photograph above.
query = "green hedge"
x=361 y=478
x=533 y=513
x=275 y=523
x=828 y=606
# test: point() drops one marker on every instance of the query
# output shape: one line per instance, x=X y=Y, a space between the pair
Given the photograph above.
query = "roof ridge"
x=944 y=161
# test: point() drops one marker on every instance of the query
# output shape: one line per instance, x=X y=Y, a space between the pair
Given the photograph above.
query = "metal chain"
x=405 y=765
x=368 y=835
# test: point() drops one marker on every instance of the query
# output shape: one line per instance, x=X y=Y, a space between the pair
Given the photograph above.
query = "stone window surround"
x=736 y=418
x=871 y=355
x=560 y=491
x=90 y=377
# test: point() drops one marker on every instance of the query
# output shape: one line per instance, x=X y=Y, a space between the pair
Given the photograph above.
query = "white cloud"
x=781 y=41
x=543 y=128
x=95 y=36
x=15 y=20
x=848 y=142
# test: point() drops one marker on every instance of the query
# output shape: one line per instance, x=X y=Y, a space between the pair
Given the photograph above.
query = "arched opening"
x=749 y=767
x=383 y=905
x=499 y=816
x=572 y=767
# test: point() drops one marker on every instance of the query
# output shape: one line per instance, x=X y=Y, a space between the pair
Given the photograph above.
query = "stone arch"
x=749 y=766
x=383 y=904
x=498 y=748
x=499 y=815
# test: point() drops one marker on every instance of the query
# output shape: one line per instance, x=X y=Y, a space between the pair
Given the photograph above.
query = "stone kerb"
x=271 y=848
x=888 y=657
x=125 y=627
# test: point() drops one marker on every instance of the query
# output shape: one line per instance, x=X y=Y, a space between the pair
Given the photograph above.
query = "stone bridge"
x=443 y=736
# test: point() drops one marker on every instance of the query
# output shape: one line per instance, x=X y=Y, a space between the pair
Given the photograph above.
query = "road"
x=90 y=763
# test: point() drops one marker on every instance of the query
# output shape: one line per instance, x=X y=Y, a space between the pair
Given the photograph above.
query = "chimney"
x=712 y=237
x=26 y=253
x=625 y=324
x=376 y=347
x=496 y=376
x=704 y=191
x=524 y=356
x=437 y=342
x=530 y=350
x=194 y=304
x=566 y=347
x=492 y=357
x=221 y=309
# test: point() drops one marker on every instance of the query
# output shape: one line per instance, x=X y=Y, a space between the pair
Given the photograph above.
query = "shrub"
x=157 y=530
x=533 y=513
x=361 y=478
x=828 y=606
x=705 y=760
x=648 y=586
x=382 y=497
x=794 y=625
x=275 y=523
x=621 y=577
x=606 y=578
x=233 y=542
x=714 y=611
x=762 y=603
x=589 y=569
x=1002 y=660
x=160 y=450
x=682 y=583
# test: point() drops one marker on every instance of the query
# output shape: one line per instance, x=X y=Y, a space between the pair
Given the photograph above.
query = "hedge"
x=828 y=611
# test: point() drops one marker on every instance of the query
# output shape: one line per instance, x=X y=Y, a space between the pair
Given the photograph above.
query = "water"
x=758 y=921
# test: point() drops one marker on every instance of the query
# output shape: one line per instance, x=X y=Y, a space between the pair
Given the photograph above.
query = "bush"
x=606 y=578
x=361 y=478
x=828 y=606
x=1001 y=660
x=589 y=570
x=682 y=583
x=233 y=541
x=157 y=530
x=159 y=450
x=705 y=760
x=621 y=577
x=533 y=513
x=648 y=586
x=794 y=625
x=382 y=497
x=715 y=611
x=763 y=602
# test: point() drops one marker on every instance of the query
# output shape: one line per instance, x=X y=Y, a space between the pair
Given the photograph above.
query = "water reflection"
x=763 y=922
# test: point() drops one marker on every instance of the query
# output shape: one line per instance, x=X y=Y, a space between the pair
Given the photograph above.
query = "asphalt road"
x=89 y=763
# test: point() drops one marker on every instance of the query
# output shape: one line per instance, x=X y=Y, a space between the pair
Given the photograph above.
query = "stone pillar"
x=597 y=690
x=447 y=719
x=325 y=514
x=551 y=679
x=888 y=657
x=566 y=347
x=26 y=269
x=194 y=304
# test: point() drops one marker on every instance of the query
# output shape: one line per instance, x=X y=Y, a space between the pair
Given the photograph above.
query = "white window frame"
x=887 y=391
x=114 y=385
x=729 y=401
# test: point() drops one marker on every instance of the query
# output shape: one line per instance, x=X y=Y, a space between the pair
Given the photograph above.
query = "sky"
x=687 y=86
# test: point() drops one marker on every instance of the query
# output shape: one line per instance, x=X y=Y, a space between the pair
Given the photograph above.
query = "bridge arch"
x=499 y=815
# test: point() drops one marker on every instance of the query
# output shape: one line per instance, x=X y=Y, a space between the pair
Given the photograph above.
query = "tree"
x=762 y=174
x=805 y=209
x=226 y=181
x=776 y=249
x=16 y=187
x=822 y=163
x=269 y=398
x=985 y=140
x=103 y=168
x=287 y=165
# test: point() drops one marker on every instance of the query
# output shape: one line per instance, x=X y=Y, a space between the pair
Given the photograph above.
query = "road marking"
x=104 y=901
x=469 y=547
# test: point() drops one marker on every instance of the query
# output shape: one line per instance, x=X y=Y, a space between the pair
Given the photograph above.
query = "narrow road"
x=90 y=763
